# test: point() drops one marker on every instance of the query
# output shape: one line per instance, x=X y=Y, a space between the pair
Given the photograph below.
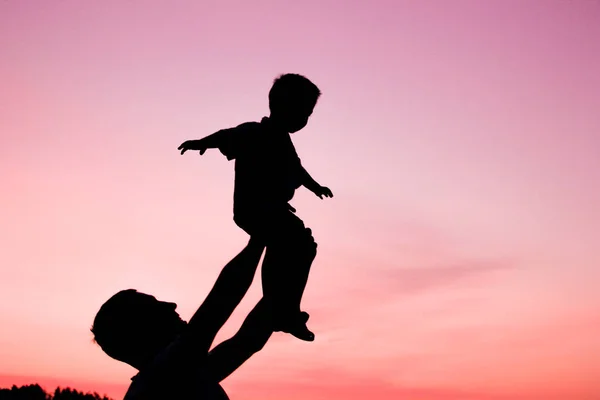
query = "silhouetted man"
x=173 y=356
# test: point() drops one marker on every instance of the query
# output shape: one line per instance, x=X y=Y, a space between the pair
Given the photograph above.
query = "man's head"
x=292 y=99
x=133 y=327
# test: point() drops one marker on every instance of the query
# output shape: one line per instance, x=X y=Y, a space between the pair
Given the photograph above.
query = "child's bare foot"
x=295 y=326
x=302 y=332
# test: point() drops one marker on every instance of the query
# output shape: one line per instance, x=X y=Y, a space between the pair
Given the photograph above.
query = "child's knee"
x=312 y=249
x=307 y=242
x=308 y=237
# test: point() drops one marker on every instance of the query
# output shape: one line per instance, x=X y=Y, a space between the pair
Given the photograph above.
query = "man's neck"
x=141 y=362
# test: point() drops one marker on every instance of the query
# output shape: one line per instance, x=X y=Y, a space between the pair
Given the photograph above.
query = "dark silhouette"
x=267 y=173
x=172 y=356
x=35 y=392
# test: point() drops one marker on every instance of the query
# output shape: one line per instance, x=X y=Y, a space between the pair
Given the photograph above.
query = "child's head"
x=292 y=99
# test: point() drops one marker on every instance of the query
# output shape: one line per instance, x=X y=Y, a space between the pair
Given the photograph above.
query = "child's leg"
x=267 y=227
x=274 y=280
x=300 y=268
x=285 y=273
x=289 y=255
x=281 y=271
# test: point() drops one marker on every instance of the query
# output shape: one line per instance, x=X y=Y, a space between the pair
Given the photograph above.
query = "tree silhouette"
x=35 y=392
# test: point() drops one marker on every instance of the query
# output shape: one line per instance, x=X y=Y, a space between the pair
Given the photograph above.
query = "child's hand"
x=323 y=191
x=192 y=145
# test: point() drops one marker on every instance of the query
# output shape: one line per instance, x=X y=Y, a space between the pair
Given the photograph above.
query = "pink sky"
x=459 y=258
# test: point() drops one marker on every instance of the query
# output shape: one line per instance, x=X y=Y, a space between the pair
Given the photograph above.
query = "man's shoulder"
x=175 y=366
x=135 y=390
x=192 y=388
x=190 y=384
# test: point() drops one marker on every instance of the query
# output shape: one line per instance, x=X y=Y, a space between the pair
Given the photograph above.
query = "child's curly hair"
x=292 y=90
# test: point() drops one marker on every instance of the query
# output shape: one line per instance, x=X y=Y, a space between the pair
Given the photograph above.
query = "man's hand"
x=323 y=191
x=196 y=145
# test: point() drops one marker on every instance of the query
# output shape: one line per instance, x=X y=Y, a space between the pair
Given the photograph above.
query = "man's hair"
x=291 y=90
x=114 y=328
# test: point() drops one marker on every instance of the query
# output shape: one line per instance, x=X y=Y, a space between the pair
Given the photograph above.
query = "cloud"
x=407 y=281
x=375 y=285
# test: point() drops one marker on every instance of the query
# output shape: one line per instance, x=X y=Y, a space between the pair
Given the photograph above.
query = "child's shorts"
x=275 y=227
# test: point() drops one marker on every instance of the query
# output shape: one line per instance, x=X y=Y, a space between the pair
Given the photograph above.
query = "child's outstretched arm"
x=231 y=141
x=308 y=182
x=209 y=142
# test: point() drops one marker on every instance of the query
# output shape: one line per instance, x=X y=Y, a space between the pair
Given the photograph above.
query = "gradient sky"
x=459 y=258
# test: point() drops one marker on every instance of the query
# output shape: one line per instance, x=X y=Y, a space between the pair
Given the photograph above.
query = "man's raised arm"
x=253 y=334
x=227 y=356
x=229 y=289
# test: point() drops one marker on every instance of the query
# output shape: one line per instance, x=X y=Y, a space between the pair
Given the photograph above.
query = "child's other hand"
x=323 y=191
x=192 y=145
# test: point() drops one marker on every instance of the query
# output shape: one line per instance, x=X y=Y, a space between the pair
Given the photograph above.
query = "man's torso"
x=175 y=374
x=181 y=387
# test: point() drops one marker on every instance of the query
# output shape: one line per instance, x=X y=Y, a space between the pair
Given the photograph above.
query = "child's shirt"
x=267 y=167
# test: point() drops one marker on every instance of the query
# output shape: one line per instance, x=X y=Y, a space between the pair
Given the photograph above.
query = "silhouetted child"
x=267 y=173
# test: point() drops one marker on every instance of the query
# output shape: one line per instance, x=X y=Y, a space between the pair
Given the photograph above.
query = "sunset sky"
x=458 y=260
